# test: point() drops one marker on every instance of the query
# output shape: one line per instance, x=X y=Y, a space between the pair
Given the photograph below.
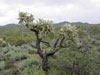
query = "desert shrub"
x=29 y=49
x=3 y=52
x=20 y=42
x=82 y=31
x=17 y=37
x=29 y=66
x=13 y=53
x=51 y=72
x=39 y=72
x=2 y=65
x=26 y=71
x=96 y=37
x=93 y=30
x=95 y=42
x=79 y=61
x=19 y=56
x=3 y=43
x=58 y=72
x=98 y=48
x=31 y=63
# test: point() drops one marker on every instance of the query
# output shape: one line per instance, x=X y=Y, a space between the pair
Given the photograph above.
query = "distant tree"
x=43 y=30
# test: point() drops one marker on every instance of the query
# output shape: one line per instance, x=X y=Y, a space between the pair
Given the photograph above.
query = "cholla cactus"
x=43 y=27
x=69 y=32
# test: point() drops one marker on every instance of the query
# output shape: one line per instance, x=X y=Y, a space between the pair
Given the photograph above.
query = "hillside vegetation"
x=18 y=57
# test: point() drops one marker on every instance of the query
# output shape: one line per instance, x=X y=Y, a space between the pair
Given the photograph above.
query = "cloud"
x=55 y=10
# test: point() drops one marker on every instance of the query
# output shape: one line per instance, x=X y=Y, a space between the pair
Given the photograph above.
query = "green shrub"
x=58 y=72
x=20 y=42
x=3 y=43
x=2 y=65
x=29 y=49
x=19 y=56
x=13 y=53
x=39 y=72
x=31 y=63
x=26 y=71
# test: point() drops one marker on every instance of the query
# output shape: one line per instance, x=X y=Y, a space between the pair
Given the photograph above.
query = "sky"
x=55 y=10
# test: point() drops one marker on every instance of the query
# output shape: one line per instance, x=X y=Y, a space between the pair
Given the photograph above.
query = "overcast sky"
x=55 y=10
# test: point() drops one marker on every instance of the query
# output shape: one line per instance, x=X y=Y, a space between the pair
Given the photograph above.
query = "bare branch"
x=54 y=48
x=55 y=45
x=52 y=53
x=61 y=42
x=38 y=44
x=33 y=46
x=47 y=43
